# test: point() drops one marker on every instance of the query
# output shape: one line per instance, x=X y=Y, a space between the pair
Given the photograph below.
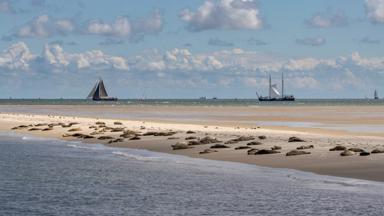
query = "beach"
x=231 y=128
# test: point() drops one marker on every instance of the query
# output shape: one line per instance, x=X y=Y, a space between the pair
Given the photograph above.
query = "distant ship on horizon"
x=99 y=93
x=274 y=94
x=375 y=95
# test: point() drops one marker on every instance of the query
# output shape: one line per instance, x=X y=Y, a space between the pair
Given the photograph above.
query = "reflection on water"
x=344 y=127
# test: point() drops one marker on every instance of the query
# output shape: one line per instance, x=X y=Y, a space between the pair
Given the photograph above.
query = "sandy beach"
x=218 y=135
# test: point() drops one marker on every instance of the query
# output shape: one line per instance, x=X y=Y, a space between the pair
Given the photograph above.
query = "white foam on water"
x=86 y=146
x=138 y=157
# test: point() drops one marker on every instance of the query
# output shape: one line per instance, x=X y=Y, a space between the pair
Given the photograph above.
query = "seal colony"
x=331 y=155
x=119 y=133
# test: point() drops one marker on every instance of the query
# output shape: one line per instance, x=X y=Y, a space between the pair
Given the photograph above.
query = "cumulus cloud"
x=119 y=27
x=225 y=68
x=16 y=57
x=219 y=42
x=375 y=10
x=328 y=19
x=124 y=27
x=19 y=56
x=223 y=14
x=44 y=26
x=176 y=59
x=151 y=24
x=311 y=41
x=53 y=58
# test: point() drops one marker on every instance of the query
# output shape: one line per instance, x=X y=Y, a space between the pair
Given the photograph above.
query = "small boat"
x=375 y=95
x=99 y=93
x=274 y=94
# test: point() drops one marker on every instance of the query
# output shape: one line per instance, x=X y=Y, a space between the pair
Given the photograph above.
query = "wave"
x=322 y=182
x=139 y=157
x=94 y=147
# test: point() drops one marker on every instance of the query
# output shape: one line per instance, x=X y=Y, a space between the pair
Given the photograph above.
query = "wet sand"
x=320 y=160
x=344 y=120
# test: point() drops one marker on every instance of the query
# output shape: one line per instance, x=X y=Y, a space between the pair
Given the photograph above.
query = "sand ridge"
x=320 y=160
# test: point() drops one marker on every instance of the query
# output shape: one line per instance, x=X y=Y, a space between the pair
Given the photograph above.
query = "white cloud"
x=124 y=27
x=225 y=68
x=64 y=25
x=223 y=14
x=16 y=57
x=53 y=58
x=120 y=27
x=328 y=19
x=44 y=26
x=375 y=10
x=151 y=24
x=305 y=82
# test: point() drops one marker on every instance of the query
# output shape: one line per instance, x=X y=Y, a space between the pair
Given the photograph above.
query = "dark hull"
x=104 y=99
x=276 y=99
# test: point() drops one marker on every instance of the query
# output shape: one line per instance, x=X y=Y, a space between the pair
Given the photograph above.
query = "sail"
x=102 y=91
x=91 y=94
x=375 y=95
x=275 y=92
x=98 y=91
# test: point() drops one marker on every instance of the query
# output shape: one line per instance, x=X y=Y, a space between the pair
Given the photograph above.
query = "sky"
x=189 y=49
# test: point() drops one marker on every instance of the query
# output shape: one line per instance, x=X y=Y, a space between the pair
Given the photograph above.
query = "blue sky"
x=188 y=49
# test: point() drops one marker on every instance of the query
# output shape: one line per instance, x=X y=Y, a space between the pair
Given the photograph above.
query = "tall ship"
x=375 y=95
x=274 y=94
x=99 y=93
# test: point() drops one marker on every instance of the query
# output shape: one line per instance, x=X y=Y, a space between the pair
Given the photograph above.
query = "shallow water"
x=51 y=177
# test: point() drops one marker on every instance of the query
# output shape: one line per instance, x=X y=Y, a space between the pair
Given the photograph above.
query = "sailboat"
x=274 y=94
x=375 y=95
x=99 y=93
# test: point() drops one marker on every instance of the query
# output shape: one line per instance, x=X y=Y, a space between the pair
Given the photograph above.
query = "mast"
x=282 y=84
x=270 y=87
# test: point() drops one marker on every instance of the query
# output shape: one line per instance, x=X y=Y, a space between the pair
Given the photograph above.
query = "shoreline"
x=320 y=161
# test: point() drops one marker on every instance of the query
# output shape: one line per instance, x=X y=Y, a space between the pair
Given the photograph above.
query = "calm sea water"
x=51 y=177
x=196 y=102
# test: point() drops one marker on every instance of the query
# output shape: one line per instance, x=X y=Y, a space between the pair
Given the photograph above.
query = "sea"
x=54 y=177
x=198 y=102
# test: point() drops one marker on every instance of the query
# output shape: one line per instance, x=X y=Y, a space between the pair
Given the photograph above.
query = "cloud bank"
x=45 y=26
x=181 y=68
